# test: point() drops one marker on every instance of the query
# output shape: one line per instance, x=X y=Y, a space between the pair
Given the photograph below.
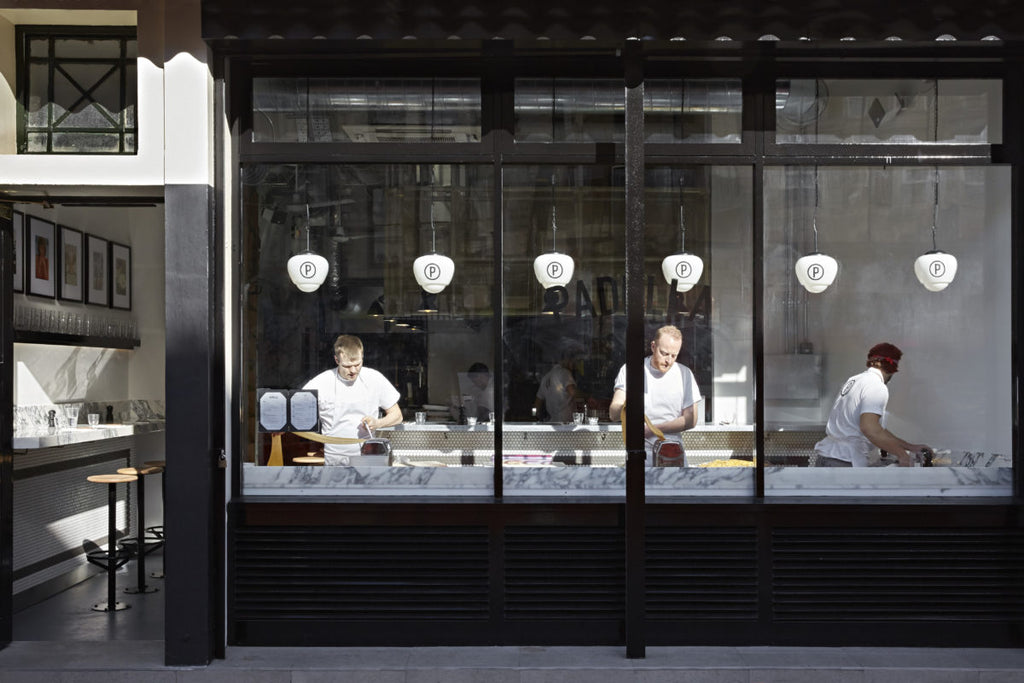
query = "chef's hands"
x=909 y=455
x=366 y=426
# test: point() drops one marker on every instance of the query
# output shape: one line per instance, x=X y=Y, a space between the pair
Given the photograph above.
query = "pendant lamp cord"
x=307 y=226
x=814 y=216
x=935 y=209
x=554 y=214
x=682 y=219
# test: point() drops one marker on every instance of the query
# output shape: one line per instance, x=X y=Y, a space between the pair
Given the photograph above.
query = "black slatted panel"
x=708 y=573
x=898 y=574
x=573 y=573
x=377 y=573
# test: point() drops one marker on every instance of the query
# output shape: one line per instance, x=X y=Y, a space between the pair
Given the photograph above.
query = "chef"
x=350 y=399
x=856 y=425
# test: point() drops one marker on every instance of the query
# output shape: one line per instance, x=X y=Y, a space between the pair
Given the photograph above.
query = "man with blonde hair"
x=350 y=399
x=671 y=393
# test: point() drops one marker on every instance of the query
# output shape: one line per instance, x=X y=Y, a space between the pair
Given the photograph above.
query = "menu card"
x=287 y=410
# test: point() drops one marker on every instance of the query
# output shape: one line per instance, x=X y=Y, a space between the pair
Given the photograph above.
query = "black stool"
x=141 y=545
x=157 y=530
x=113 y=558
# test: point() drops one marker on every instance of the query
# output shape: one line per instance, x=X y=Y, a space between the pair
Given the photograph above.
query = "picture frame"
x=19 y=251
x=70 y=265
x=120 y=276
x=40 y=252
x=97 y=289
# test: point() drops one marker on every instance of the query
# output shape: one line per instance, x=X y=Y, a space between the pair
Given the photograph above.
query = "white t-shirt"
x=343 y=405
x=554 y=391
x=666 y=395
x=863 y=393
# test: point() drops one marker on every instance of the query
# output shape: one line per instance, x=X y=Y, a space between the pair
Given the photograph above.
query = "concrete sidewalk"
x=131 y=661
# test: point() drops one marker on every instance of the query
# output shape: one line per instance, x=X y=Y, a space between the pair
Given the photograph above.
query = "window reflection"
x=366 y=110
x=901 y=111
x=593 y=110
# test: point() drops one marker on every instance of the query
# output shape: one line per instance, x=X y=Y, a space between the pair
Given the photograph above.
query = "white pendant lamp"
x=683 y=268
x=553 y=269
x=307 y=270
x=433 y=271
x=816 y=271
x=935 y=269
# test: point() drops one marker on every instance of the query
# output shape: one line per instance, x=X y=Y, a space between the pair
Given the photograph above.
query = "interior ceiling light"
x=553 y=269
x=307 y=269
x=683 y=268
x=935 y=269
x=433 y=271
x=816 y=271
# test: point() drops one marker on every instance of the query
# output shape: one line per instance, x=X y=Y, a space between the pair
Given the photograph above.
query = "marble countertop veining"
x=81 y=434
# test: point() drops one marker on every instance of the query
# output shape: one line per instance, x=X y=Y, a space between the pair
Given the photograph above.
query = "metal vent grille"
x=564 y=573
x=898 y=574
x=379 y=573
x=708 y=573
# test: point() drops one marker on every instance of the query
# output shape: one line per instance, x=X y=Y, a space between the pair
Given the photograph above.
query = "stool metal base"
x=156 y=575
x=145 y=589
x=105 y=606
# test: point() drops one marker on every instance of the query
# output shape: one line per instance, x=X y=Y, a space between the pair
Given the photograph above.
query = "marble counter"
x=81 y=434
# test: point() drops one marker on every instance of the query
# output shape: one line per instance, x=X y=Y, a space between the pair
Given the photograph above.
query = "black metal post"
x=636 y=640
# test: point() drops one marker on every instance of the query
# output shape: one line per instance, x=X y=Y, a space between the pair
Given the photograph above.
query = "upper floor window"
x=77 y=90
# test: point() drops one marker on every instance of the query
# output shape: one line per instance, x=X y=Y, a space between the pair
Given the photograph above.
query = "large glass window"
x=366 y=110
x=79 y=93
x=888 y=111
x=593 y=110
x=565 y=333
x=431 y=343
x=923 y=257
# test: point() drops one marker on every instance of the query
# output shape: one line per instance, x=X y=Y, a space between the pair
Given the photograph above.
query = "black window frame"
x=24 y=34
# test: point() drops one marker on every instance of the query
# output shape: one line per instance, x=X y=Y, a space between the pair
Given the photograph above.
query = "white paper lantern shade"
x=685 y=268
x=935 y=270
x=553 y=269
x=816 y=272
x=307 y=270
x=433 y=272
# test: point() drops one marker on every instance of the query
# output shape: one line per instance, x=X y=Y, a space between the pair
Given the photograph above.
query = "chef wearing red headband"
x=856 y=424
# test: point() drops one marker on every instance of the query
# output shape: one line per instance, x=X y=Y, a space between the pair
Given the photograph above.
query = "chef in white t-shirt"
x=671 y=393
x=856 y=424
x=350 y=399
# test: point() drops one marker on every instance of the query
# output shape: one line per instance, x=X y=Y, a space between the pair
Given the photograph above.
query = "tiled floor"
x=63 y=641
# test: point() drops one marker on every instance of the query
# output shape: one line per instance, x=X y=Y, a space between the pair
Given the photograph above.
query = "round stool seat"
x=140 y=472
x=121 y=478
x=155 y=463
x=308 y=460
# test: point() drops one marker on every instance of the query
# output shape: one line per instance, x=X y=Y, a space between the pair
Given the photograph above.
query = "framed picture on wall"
x=71 y=264
x=40 y=252
x=120 y=276
x=19 y=251
x=97 y=277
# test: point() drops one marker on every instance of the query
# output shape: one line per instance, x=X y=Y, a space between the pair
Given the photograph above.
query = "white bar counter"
x=23 y=441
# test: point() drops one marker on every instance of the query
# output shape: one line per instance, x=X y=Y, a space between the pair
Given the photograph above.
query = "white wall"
x=47 y=374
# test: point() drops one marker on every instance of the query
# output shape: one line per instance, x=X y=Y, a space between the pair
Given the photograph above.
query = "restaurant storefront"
x=493 y=520
x=492 y=201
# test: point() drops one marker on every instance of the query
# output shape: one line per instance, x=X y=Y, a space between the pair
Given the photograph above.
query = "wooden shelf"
x=34 y=337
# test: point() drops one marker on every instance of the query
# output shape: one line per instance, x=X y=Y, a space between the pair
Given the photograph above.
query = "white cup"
x=421 y=417
x=577 y=418
x=94 y=420
x=471 y=421
x=592 y=420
